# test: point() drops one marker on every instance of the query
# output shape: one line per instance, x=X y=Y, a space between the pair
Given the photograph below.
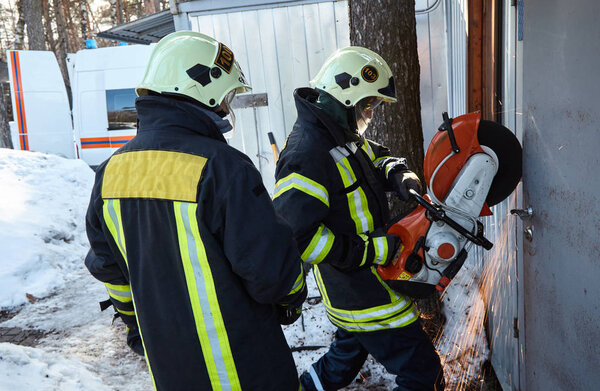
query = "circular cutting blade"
x=507 y=148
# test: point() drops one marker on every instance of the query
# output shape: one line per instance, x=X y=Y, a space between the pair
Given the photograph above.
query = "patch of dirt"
x=20 y=336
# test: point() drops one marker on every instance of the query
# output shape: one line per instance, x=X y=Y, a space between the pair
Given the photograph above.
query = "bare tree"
x=32 y=10
x=5 y=141
x=20 y=27
x=84 y=19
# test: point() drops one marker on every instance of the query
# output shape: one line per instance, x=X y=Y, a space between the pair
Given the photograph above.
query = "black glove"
x=288 y=314
x=134 y=341
x=402 y=180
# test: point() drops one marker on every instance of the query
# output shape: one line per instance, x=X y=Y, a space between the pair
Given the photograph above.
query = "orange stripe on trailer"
x=18 y=93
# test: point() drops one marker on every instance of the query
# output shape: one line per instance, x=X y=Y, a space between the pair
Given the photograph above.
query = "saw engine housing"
x=462 y=178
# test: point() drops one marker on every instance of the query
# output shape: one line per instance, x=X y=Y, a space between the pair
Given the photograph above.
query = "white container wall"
x=280 y=49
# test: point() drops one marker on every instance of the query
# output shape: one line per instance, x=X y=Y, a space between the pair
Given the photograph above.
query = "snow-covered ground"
x=43 y=199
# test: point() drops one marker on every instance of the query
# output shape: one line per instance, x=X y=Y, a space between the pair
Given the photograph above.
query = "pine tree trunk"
x=48 y=25
x=393 y=35
x=33 y=19
x=61 y=42
x=149 y=7
x=84 y=19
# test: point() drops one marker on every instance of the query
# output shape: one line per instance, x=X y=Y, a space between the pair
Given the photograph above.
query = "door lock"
x=523 y=213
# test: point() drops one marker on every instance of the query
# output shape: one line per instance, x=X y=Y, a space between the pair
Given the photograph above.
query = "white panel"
x=279 y=49
x=286 y=66
x=40 y=105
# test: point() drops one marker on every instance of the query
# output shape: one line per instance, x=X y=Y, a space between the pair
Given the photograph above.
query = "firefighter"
x=331 y=188
x=185 y=236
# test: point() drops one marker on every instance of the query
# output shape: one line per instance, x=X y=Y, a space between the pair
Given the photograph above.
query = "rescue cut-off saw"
x=470 y=165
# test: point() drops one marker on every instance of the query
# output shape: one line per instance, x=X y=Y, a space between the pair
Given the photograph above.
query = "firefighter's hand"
x=401 y=181
x=134 y=341
x=288 y=314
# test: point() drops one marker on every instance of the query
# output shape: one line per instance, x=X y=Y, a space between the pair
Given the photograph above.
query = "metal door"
x=561 y=139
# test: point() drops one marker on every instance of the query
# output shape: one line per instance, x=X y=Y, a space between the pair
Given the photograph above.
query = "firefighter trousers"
x=406 y=352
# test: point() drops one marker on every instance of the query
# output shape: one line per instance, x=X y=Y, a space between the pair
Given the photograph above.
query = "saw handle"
x=438 y=214
x=447 y=126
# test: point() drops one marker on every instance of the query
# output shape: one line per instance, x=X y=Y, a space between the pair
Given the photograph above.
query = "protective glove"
x=288 y=313
x=134 y=341
x=402 y=180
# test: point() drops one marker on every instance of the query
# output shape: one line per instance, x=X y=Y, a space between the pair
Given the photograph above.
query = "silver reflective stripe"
x=114 y=292
x=113 y=216
x=302 y=184
x=315 y=379
x=352 y=147
x=360 y=211
x=373 y=315
x=209 y=323
x=379 y=242
x=320 y=245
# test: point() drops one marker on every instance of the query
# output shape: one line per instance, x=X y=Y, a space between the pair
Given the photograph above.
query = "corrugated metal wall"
x=456 y=22
x=279 y=49
x=431 y=40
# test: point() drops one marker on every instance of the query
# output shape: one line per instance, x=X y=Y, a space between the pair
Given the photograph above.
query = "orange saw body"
x=469 y=165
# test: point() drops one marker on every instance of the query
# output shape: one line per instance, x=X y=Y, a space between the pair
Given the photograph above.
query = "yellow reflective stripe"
x=112 y=216
x=130 y=313
x=388 y=168
x=359 y=211
x=368 y=150
x=393 y=295
x=304 y=184
x=111 y=210
x=403 y=319
x=365 y=238
x=380 y=245
x=319 y=246
x=205 y=306
x=120 y=293
x=321 y=286
x=377 y=162
x=299 y=283
x=371 y=314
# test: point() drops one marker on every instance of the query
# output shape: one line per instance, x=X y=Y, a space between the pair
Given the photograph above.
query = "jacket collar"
x=157 y=112
x=310 y=112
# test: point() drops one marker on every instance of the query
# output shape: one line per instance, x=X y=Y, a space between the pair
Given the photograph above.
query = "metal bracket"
x=250 y=100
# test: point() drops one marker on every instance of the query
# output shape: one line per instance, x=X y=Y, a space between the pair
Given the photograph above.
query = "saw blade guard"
x=433 y=252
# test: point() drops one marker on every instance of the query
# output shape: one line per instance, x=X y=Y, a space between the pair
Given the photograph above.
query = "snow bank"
x=43 y=199
x=24 y=368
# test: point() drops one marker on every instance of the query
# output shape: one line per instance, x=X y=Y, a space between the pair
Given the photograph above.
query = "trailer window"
x=120 y=106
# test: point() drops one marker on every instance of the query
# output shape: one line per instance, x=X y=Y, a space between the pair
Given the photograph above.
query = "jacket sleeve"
x=259 y=244
x=302 y=196
x=103 y=263
x=383 y=161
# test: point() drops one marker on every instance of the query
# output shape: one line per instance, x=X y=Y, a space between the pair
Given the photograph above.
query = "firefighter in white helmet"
x=331 y=188
x=185 y=237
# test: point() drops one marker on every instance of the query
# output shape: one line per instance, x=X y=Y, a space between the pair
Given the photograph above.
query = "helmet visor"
x=363 y=111
x=226 y=107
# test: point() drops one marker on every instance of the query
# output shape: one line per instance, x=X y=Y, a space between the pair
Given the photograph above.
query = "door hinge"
x=516 y=327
